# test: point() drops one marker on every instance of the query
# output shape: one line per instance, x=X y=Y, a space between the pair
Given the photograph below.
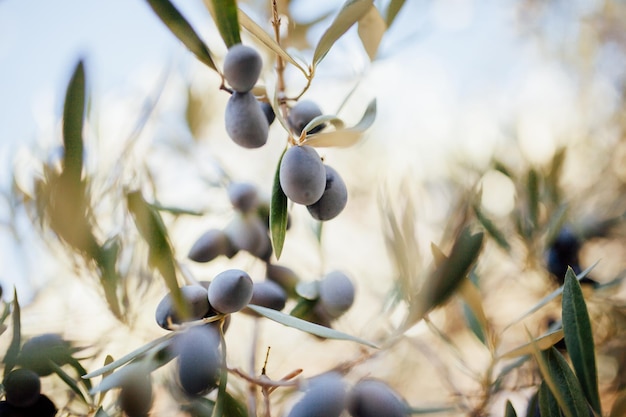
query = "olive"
x=210 y=245
x=245 y=121
x=302 y=175
x=268 y=111
x=243 y=196
x=248 y=233
x=195 y=297
x=301 y=114
x=136 y=397
x=230 y=291
x=22 y=387
x=267 y=294
x=199 y=359
x=283 y=276
x=374 y=398
x=334 y=198
x=325 y=396
x=336 y=293
x=42 y=407
x=38 y=351
x=242 y=67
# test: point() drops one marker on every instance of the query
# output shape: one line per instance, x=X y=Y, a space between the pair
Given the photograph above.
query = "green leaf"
x=474 y=312
x=532 y=186
x=74 y=363
x=554 y=294
x=225 y=16
x=177 y=24
x=267 y=40
x=543 y=342
x=344 y=137
x=392 y=11
x=278 y=212
x=619 y=406
x=562 y=383
x=160 y=256
x=351 y=12
x=547 y=402
x=509 y=411
x=69 y=381
x=233 y=407
x=579 y=339
x=220 y=401
x=306 y=326
x=491 y=229
x=10 y=358
x=156 y=344
x=73 y=115
x=446 y=277
x=371 y=29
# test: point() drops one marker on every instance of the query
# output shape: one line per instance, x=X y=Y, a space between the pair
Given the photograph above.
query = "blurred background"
x=472 y=97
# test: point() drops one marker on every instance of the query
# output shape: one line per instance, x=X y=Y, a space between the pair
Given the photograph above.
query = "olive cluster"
x=328 y=395
x=246 y=119
x=304 y=178
x=248 y=231
x=22 y=386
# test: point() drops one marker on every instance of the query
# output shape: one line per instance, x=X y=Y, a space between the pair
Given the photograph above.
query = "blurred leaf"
x=475 y=314
x=548 y=298
x=543 y=342
x=509 y=411
x=267 y=40
x=306 y=326
x=199 y=407
x=220 y=402
x=117 y=378
x=73 y=115
x=371 y=29
x=101 y=413
x=233 y=407
x=351 y=12
x=554 y=175
x=446 y=277
x=619 y=406
x=491 y=228
x=225 y=16
x=278 y=212
x=74 y=363
x=177 y=24
x=547 y=402
x=507 y=369
x=532 y=186
x=69 y=381
x=579 y=339
x=439 y=258
x=10 y=358
x=176 y=210
x=160 y=256
x=344 y=137
x=309 y=290
x=392 y=11
x=130 y=356
x=474 y=324
x=562 y=382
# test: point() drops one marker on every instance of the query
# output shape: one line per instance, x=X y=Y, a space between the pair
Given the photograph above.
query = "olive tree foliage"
x=187 y=370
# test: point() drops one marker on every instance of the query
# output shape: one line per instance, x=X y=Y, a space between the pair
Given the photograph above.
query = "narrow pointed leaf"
x=344 y=137
x=554 y=294
x=392 y=11
x=619 y=406
x=306 y=326
x=532 y=186
x=509 y=410
x=579 y=339
x=278 y=212
x=179 y=26
x=225 y=16
x=492 y=229
x=73 y=116
x=262 y=36
x=160 y=255
x=69 y=381
x=475 y=314
x=351 y=12
x=371 y=29
x=117 y=378
x=547 y=403
x=233 y=407
x=543 y=342
x=320 y=120
x=10 y=358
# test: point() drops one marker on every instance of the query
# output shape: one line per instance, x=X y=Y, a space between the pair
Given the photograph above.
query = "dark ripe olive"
x=283 y=276
x=210 y=245
x=325 y=396
x=196 y=298
x=39 y=350
x=242 y=67
x=135 y=397
x=42 y=407
x=267 y=294
x=247 y=232
x=243 y=196
x=22 y=387
x=268 y=111
x=302 y=175
x=230 y=291
x=374 y=398
x=301 y=114
x=199 y=359
x=334 y=198
x=245 y=121
x=336 y=293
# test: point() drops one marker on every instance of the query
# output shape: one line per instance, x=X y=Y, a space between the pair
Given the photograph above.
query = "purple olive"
x=195 y=297
x=230 y=291
x=22 y=387
x=242 y=67
x=325 y=396
x=301 y=114
x=336 y=293
x=199 y=359
x=302 y=175
x=245 y=121
x=374 y=398
x=333 y=200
